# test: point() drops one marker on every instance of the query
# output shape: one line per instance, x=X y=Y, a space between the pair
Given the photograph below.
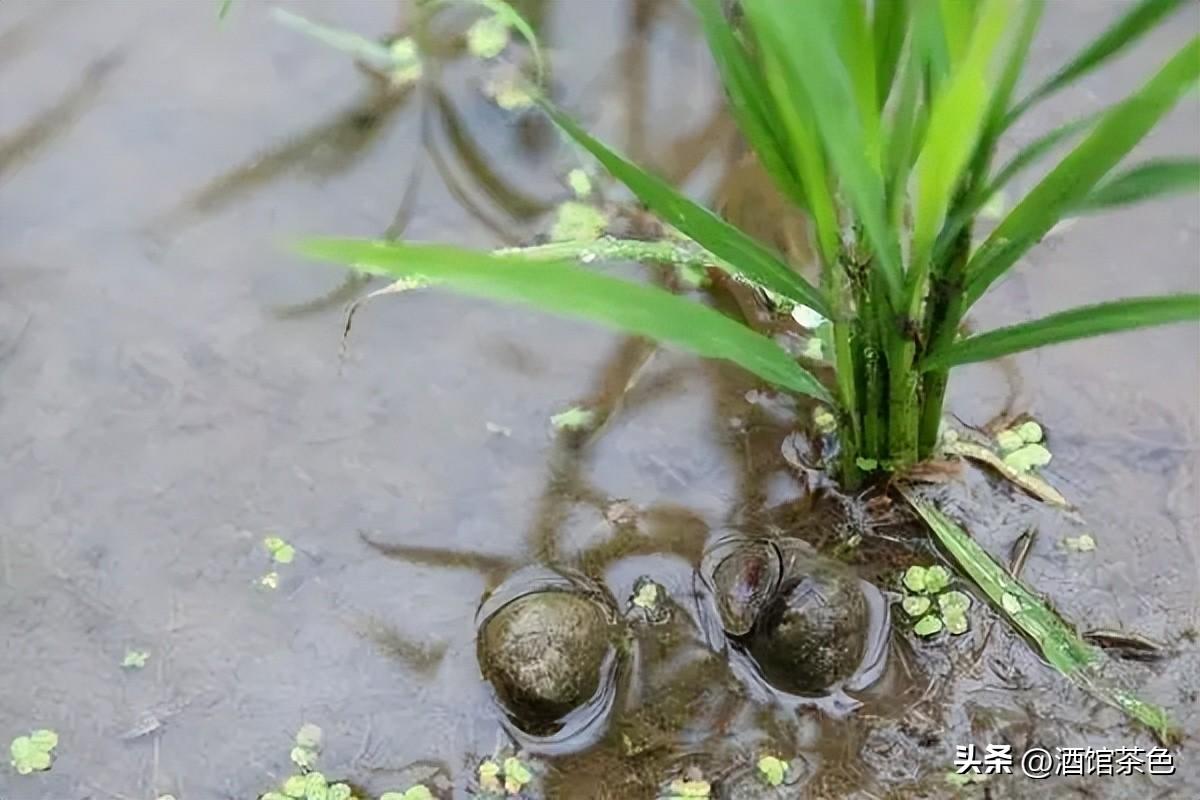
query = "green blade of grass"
x=794 y=113
x=750 y=258
x=748 y=98
x=1086 y=666
x=563 y=288
x=1065 y=326
x=1031 y=15
x=1027 y=156
x=223 y=9
x=373 y=52
x=958 y=20
x=955 y=125
x=889 y=26
x=857 y=49
x=805 y=37
x=1156 y=178
x=1140 y=19
x=1037 y=149
x=1114 y=136
x=929 y=33
x=902 y=136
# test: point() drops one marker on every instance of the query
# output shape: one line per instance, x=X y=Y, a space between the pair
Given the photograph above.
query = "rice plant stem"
x=945 y=311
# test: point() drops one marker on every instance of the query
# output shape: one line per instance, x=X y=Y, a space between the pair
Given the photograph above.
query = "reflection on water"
x=130 y=523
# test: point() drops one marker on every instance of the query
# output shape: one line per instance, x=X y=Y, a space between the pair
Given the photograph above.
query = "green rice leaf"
x=1024 y=158
x=954 y=128
x=858 y=52
x=930 y=40
x=1065 y=326
x=1156 y=178
x=1136 y=22
x=1038 y=148
x=1081 y=663
x=889 y=27
x=708 y=230
x=566 y=289
x=749 y=98
x=902 y=137
x=958 y=20
x=806 y=36
x=374 y=53
x=796 y=116
x=1069 y=183
x=1013 y=65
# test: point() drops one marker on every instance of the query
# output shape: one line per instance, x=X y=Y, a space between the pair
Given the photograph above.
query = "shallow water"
x=164 y=405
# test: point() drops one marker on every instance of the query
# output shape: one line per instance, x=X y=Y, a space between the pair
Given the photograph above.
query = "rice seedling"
x=881 y=122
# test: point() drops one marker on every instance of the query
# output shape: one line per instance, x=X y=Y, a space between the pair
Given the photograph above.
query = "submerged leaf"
x=567 y=289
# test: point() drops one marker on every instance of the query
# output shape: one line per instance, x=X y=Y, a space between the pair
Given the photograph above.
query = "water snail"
x=547 y=645
x=808 y=624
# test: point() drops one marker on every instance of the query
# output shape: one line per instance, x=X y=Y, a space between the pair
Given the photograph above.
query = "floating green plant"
x=33 y=753
x=773 y=770
x=135 y=659
x=922 y=586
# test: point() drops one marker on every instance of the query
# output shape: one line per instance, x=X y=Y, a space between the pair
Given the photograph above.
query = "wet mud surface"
x=174 y=387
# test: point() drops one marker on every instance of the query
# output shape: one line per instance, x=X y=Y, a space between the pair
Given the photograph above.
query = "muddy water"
x=170 y=394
